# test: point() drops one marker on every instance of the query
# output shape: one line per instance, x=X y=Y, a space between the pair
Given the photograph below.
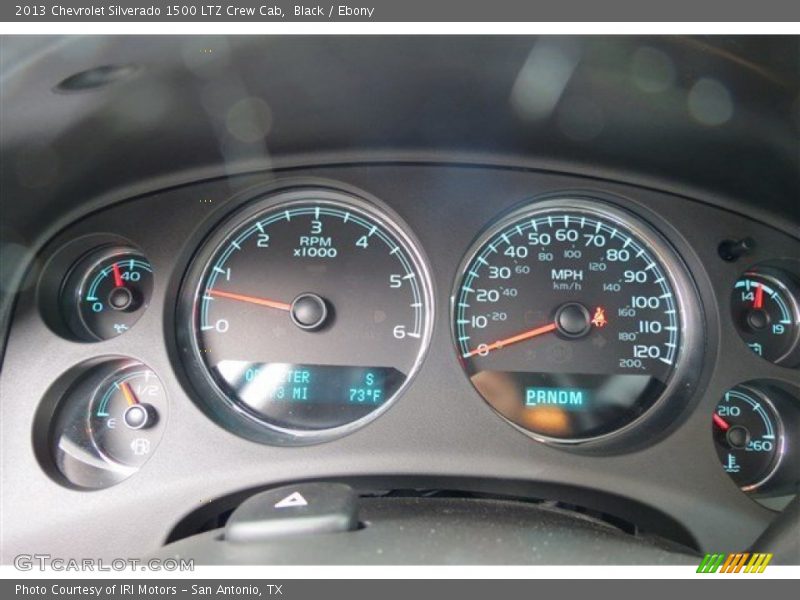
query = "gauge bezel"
x=213 y=400
x=789 y=291
x=689 y=355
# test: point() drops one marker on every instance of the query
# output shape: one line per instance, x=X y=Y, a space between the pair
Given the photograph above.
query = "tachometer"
x=570 y=319
x=308 y=313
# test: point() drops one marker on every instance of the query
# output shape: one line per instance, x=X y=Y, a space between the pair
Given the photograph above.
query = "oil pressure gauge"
x=106 y=292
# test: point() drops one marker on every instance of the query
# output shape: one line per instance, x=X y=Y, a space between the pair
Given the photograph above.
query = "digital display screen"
x=567 y=405
x=310 y=396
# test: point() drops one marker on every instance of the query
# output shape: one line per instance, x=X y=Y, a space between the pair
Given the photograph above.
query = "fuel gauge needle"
x=251 y=299
x=130 y=398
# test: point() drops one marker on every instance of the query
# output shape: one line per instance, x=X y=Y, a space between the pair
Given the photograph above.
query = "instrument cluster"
x=305 y=313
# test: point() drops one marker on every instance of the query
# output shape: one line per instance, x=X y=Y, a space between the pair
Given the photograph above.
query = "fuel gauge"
x=124 y=416
x=765 y=312
x=109 y=423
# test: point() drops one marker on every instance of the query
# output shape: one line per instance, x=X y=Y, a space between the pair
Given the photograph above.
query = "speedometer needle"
x=251 y=299
x=520 y=337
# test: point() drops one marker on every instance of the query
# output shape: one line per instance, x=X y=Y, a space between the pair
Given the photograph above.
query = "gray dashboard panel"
x=440 y=428
x=443 y=531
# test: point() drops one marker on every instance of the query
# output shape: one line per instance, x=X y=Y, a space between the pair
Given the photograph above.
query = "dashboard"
x=452 y=326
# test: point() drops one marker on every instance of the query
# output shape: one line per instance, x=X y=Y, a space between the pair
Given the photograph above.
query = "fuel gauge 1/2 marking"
x=106 y=293
x=766 y=315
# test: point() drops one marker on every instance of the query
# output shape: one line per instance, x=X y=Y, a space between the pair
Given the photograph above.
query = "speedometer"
x=304 y=316
x=570 y=319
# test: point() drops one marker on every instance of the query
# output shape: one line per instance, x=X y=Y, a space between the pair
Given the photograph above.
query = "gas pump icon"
x=140 y=446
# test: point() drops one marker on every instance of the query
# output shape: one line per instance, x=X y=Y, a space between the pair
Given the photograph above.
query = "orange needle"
x=128 y=393
x=250 y=299
x=520 y=337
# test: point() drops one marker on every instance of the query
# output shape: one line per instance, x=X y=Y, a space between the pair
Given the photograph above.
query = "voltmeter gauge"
x=106 y=292
x=764 y=306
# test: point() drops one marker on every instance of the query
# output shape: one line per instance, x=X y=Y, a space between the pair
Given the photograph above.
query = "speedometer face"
x=311 y=312
x=568 y=320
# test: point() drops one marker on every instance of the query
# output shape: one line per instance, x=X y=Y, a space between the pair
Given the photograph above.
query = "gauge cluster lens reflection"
x=311 y=311
x=568 y=321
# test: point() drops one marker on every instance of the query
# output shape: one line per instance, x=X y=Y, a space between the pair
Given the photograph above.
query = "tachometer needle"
x=130 y=398
x=117 y=275
x=721 y=423
x=758 y=301
x=520 y=337
x=251 y=299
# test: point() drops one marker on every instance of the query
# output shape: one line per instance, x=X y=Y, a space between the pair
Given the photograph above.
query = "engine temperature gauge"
x=766 y=315
x=755 y=429
x=748 y=435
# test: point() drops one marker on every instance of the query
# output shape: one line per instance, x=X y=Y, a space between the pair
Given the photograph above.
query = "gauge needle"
x=251 y=299
x=130 y=398
x=721 y=423
x=520 y=337
x=758 y=301
x=117 y=275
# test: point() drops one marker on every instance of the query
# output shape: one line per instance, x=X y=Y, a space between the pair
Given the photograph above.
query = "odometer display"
x=567 y=319
x=311 y=313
